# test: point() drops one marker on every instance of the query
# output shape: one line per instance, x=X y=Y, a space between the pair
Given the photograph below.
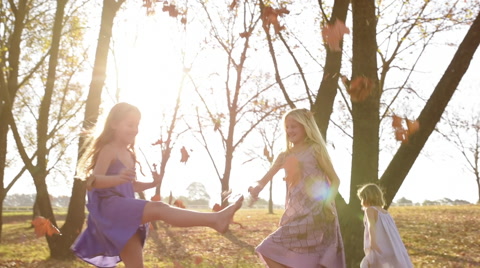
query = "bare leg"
x=188 y=218
x=273 y=264
x=132 y=253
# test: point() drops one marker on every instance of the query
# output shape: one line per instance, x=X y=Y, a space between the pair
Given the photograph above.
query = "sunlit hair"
x=118 y=113
x=371 y=195
x=313 y=136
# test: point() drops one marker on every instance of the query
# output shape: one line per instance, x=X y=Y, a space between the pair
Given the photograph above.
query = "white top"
x=393 y=252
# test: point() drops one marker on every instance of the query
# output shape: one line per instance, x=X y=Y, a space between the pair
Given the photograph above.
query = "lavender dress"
x=307 y=237
x=114 y=217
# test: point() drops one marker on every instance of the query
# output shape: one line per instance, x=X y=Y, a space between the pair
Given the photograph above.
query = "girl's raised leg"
x=179 y=217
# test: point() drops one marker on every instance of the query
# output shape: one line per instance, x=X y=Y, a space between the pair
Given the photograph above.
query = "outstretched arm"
x=277 y=165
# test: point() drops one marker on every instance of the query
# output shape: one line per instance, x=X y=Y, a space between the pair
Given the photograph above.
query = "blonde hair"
x=118 y=112
x=313 y=136
x=371 y=194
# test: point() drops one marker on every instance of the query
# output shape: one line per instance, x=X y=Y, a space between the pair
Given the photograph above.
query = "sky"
x=145 y=79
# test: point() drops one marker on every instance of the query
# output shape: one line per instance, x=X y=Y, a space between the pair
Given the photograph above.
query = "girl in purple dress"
x=309 y=233
x=382 y=243
x=117 y=222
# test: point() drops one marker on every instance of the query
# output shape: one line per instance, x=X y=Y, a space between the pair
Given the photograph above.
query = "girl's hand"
x=255 y=191
x=127 y=175
x=375 y=247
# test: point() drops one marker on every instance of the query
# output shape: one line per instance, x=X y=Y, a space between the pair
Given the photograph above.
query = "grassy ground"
x=446 y=236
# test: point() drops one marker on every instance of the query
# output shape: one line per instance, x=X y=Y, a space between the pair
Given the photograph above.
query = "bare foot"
x=225 y=216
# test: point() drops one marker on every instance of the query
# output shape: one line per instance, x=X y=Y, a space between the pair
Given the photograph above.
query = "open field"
x=435 y=236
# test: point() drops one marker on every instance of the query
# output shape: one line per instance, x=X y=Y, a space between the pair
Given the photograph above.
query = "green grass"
x=437 y=236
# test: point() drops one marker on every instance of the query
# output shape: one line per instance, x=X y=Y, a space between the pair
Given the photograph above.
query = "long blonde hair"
x=118 y=112
x=313 y=136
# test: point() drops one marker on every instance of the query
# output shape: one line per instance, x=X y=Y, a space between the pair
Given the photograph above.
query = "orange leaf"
x=244 y=34
x=360 y=88
x=185 y=155
x=396 y=121
x=43 y=227
x=179 y=203
x=156 y=198
x=413 y=126
x=270 y=16
x=333 y=33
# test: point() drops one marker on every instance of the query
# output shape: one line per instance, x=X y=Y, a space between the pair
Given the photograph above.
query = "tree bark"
x=323 y=106
x=76 y=208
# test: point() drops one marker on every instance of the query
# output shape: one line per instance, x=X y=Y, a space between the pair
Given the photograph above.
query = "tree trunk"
x=325 y=99
x=366 y=124
x=76 y=208
x=408 y=152
x=9 y=87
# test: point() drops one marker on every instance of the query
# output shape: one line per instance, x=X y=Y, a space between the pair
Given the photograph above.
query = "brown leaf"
x=43 y=227
x=333 y=33
x=360 y=88
x=185 y=155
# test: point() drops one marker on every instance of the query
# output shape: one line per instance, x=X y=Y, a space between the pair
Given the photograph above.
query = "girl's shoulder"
x=108 y=152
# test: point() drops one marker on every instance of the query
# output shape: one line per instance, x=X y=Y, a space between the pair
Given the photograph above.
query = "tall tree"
x=76 y=208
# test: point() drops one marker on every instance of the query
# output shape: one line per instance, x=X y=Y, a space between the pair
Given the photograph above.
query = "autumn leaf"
x=360 y=88
x=412 y=126
x=401 y=133
x=43 y=227
x=244 y=34
x=156 y=198
x=179 y=203
x=333 y=33
x=185 y=155
x=270 y=16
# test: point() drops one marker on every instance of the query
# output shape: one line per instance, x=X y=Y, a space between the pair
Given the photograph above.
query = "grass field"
x=436 y=236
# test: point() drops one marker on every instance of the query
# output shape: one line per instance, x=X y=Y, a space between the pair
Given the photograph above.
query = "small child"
x=382 y=243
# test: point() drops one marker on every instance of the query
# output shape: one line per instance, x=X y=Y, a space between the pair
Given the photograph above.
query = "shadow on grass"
x=234 y=239
x=463 y=262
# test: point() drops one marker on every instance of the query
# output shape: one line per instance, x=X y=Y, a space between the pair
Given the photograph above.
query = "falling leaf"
x=292 y=170
x=244 y=34
x=179 y=203
x=333 y=33
x=156 y=198
x=396 y=121
x=270 y=16
x=412 y=126
x=360 y=88
x=401 y=133
x=43 y=227
x=185 y=155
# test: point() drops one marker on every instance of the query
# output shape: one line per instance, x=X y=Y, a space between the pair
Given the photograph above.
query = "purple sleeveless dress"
x=114 y=217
